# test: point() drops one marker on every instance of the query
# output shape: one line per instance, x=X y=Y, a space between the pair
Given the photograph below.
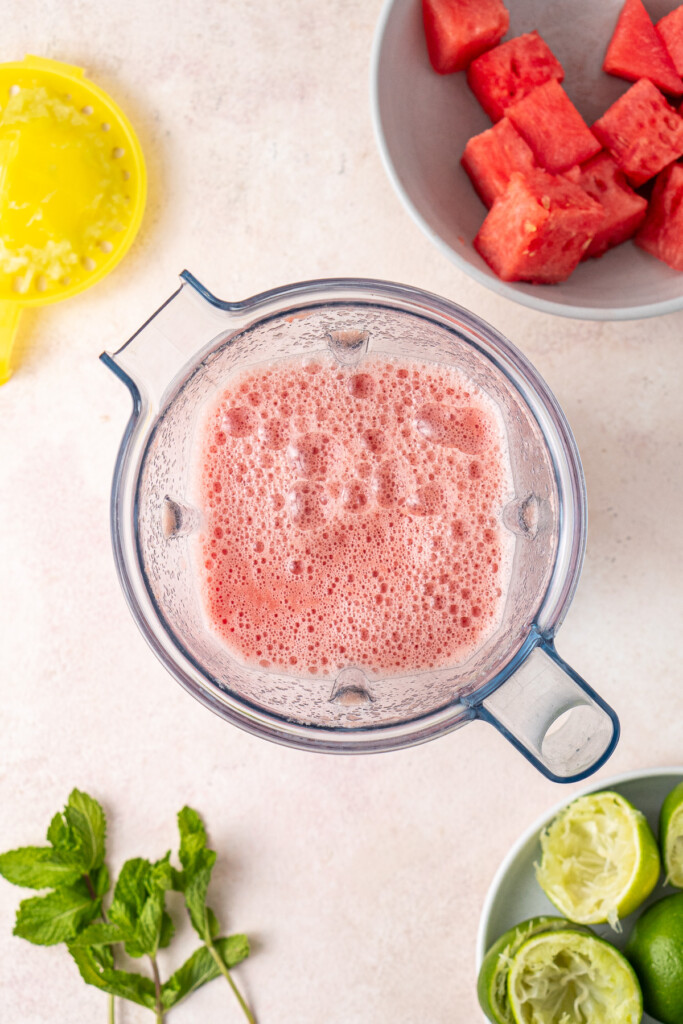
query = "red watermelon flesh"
x=641 y=131
x=509 y=72
x=457 y=31
x=538 y=229
x=637 y=51
x=624 y=208
x=490 y=159
x=662 y=232
x=670 y=29
x=553 y=128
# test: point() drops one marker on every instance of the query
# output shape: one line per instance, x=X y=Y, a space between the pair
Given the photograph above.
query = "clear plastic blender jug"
x=180 y=359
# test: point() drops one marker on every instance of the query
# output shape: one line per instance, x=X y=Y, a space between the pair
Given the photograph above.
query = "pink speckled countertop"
x=360 y=879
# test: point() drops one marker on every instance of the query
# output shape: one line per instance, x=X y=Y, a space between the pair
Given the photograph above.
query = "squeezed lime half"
x=599 y=859
x=493 y=974
x=671 y=835
x=567 y=977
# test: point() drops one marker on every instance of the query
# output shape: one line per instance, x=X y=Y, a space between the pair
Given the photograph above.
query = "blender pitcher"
x=181 y=359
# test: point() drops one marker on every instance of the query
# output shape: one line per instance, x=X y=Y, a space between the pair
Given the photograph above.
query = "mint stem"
x=93 y=896
x=159 y=1010
x=226 y=974
x=91 y=889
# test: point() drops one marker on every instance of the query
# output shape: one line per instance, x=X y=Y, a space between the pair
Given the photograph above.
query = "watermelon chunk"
x=670 y=29
x=624 y=208
x=509 y=72
x=538 y=229
x=662 y=232
x=490 y=159
x=554 y=129
x=641 y=131
x=637 y=51
x=457 y=31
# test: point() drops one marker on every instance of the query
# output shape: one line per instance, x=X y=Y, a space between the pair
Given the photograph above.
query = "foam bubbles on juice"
x=353 y=517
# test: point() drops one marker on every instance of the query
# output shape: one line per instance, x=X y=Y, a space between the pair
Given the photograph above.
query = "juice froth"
x=352 y=516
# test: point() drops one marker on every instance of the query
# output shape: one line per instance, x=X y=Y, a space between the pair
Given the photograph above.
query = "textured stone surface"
x=360 y=879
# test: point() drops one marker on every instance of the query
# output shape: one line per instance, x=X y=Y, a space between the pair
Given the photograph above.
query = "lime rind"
x=655 y=950
x=599 y=859
x=566 y=977
x=671 y=836
x=492 y=981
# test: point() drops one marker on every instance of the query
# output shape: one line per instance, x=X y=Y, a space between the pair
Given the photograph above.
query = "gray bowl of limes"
x=584 y=883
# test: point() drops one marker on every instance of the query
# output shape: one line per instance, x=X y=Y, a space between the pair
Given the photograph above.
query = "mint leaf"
x=195 y=972
x=80 y=831
x=233 y=949
x=57 y=917
x=99 y=933
x=88 y=826
x=130 y=893
x=99 y=879
x=167 y=930
x=60 y=835
x=148 y=931
x=138 y=905
x=197 y=861
x=126 y=984
x=38 y=867
x=192 y=836
x=201 y=967
x=161 y=875
x=212 y=922
x=103 y=955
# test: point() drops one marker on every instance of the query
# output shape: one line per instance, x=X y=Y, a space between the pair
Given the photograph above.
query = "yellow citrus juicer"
x=72 y=188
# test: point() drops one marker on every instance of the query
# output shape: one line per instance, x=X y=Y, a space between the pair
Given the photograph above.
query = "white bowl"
x=423 y=121
x=514 y=894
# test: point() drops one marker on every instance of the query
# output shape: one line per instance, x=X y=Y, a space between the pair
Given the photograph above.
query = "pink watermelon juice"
x=353 y=516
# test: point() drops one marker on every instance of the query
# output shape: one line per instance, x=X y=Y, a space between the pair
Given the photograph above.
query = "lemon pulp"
x=63 y=192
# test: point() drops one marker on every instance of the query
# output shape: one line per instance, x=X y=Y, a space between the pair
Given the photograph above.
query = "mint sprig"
x=72 y=867
x=193 y=881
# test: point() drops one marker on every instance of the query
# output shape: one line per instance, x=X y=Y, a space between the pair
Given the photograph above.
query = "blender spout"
x=169 y=345
x=552 y=716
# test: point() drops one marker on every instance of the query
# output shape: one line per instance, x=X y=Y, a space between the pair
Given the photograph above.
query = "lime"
x=671 y=835
x=567 y=977
x=599 y=859
x=655 y=948
x=492 y=983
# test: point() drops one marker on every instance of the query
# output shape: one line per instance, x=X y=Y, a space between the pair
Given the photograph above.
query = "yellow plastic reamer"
x=72 y=188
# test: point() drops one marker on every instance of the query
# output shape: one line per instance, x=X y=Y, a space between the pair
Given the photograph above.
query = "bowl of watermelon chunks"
x=539 y=145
